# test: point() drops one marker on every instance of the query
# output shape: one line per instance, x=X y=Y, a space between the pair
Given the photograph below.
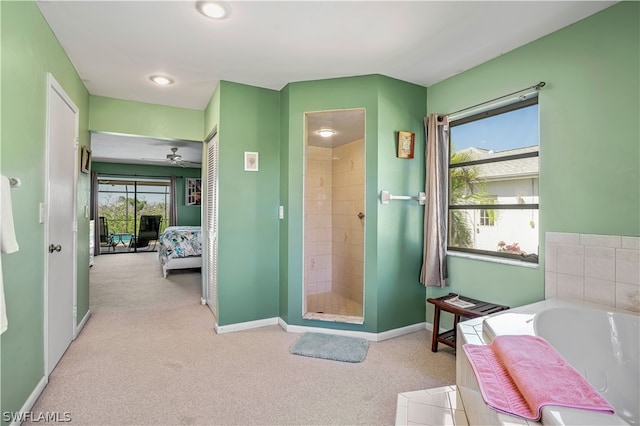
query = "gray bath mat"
x=329 y=346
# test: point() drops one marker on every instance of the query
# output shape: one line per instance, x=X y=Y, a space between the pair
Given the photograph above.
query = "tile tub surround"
x=431 y=407
x=603 y=269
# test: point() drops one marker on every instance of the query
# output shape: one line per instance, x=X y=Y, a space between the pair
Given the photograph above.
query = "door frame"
x=54 y=86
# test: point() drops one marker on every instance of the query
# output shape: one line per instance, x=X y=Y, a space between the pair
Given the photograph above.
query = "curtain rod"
x=535 y=87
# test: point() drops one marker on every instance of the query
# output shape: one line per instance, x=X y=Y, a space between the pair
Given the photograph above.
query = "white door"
x=211 y=225
x=60 y=226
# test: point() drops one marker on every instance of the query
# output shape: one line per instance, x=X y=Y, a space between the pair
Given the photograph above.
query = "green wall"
x=247 y=120
x=187 y=215
x=589 y=139
x=143 y=119
x=29 y=52
x=393 y=296
x=401 y=297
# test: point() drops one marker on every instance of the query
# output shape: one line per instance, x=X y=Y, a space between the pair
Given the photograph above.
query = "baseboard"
x=30 y=402
x=220 y=329
x=373 y=337
x=82 y=323
x=203 y=301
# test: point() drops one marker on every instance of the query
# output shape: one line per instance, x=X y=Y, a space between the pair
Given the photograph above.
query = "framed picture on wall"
x=85 y=159
x=250 y=161
x=193 y=191
x=406 y=141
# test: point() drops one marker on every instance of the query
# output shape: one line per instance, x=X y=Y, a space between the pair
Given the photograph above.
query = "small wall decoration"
x=406 y=141
x=85 y=159
x=193 y=191
x=250 y=161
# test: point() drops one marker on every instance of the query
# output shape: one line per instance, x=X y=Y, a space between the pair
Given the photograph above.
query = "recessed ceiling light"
x=161 y=80
x=326 y=133
x=213 y=9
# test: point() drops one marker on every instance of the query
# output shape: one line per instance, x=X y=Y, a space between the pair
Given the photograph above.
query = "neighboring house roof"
x=513 y=169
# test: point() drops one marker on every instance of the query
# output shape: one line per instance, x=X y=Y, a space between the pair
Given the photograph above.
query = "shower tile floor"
x=333 y=307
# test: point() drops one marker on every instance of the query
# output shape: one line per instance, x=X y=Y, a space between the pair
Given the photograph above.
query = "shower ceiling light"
x=213 y=9
x=326 y=133
x=161 y=80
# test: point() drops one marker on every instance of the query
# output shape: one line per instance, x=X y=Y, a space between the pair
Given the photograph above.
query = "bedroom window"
x=493 y=182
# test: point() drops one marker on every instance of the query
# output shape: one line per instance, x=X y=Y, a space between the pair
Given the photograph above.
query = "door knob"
x=361 y=215
x=53 y=248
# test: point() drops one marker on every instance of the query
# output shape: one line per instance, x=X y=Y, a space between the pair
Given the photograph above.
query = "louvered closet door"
x=212 y=225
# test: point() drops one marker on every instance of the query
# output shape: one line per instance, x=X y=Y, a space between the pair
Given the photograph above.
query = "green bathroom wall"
x=144 y=119
x=30 y=51
x=589 y=139
x=401 y=297
x=187 y=215
x=390 y=105
x=283 y=230
x=249 y=121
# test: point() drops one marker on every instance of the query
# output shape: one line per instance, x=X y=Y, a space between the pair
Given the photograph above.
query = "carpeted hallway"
x=149 y=355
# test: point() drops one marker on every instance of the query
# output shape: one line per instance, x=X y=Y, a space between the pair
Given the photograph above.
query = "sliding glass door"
x=121 y=204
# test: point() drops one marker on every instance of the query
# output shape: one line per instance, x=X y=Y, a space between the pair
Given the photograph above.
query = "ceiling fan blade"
x=188 y=164
x=154 y=159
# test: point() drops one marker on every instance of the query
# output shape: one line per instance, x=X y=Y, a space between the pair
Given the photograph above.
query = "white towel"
x=8 y=242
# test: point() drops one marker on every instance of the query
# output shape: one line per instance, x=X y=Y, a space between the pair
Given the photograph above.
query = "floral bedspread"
x=180 y=241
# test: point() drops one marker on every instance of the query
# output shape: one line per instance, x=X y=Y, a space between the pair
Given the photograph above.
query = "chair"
x=106 y=238
x=149 y=231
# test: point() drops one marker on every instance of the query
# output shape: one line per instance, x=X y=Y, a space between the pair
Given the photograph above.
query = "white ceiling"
x=112 y=148
x=116 y=45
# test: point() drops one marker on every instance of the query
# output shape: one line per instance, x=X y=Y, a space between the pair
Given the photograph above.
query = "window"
x=493 y=182
x=486 y=218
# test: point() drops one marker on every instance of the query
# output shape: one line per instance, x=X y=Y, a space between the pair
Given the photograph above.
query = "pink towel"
x=518 y=375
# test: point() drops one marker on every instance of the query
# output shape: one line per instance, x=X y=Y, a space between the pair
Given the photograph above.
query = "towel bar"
x=386 y=196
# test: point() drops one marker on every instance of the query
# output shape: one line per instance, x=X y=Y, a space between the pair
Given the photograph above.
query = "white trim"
x=30 y=402
x=494 y=259
x=373 y=337
x=203 y=301
x=78 y=328
x=241 y=326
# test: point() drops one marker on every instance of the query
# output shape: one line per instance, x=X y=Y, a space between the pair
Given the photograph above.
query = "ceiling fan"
x=175 y=159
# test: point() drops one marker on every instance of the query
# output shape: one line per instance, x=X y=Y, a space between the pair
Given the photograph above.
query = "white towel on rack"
x=8 y=242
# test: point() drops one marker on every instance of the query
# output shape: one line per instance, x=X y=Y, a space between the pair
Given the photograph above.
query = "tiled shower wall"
x=317 y=220
x=334 y=235
x=603 y=269
x=347 y=246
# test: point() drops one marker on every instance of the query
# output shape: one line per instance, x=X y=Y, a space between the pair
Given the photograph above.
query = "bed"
x=180 y=248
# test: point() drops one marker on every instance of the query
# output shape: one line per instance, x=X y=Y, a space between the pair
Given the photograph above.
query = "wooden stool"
x=479 y=309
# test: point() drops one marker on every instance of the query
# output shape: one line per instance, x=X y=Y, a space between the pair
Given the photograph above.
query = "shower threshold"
x=321 y=316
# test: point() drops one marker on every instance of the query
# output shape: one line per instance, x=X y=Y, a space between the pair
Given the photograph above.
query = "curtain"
x=434 y=262
x=173 y=203
x=94 y=213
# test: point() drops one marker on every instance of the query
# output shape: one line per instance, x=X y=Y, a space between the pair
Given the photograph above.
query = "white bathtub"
x=600 y=342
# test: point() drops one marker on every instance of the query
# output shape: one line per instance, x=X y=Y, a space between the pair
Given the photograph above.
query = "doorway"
x=334 y=216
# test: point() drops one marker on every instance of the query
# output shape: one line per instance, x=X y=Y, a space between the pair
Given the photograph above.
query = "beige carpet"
x=149 y=355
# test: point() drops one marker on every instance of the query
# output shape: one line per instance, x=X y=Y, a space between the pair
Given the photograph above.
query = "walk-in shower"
x=334 y=215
